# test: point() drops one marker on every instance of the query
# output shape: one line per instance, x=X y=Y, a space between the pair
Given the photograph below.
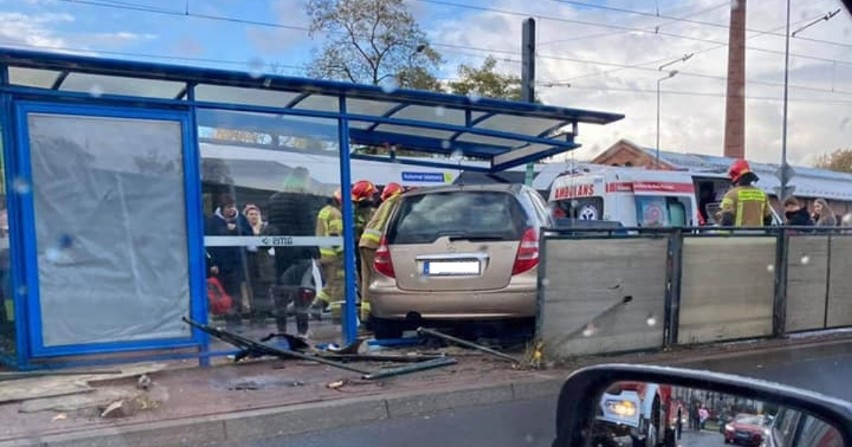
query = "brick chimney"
x=735 y=98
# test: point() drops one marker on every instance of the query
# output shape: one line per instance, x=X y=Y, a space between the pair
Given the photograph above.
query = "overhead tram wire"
x=626 y=28
x=683 y=19
x=129 y=6
x=658 y=61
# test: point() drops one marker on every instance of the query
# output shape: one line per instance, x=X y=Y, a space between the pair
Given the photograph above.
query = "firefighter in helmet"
x=363 y=192
x=371 y=238
x=362 y=197
x=744 y=205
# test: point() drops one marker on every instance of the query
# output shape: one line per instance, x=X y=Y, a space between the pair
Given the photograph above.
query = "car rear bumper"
x=387 y=301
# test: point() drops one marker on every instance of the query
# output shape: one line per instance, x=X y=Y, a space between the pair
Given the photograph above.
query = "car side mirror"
x=650 y=406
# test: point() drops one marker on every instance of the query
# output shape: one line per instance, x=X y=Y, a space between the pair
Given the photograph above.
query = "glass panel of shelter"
x=273 y=230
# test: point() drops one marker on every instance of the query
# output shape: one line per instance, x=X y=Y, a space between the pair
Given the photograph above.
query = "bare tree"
x=371 y=42
x=839 y=160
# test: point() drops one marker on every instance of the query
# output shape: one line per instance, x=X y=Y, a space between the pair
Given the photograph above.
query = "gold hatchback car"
x=458 y=253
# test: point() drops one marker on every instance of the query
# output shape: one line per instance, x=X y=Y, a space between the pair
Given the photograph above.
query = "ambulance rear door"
x=665 y=203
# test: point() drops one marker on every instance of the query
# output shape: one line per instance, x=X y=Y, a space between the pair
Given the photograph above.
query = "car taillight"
x=527 y=256
x=382 y=263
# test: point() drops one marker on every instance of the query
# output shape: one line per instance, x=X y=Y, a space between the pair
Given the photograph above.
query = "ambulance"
x=639 y=197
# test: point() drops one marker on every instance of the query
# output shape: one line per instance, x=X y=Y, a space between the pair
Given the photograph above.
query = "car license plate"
x=450 y=268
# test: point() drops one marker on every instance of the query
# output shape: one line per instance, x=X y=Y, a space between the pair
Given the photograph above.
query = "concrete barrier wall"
x=586 y=282
x=807 y=282
x=727 y=288
x=839 y=312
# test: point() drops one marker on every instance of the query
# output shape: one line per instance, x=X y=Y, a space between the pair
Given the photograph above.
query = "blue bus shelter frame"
x=16 y=100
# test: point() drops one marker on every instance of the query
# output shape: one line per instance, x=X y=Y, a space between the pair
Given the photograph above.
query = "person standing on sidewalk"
x=227 y=263
x=703 y=414
x=370 y=239
x=823 y=214
x=261 y=267
x=292 y=212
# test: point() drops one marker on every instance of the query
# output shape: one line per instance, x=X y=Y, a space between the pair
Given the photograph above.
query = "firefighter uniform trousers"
x=330 y=224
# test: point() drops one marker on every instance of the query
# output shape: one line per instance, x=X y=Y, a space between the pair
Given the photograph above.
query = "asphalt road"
x=531 y=423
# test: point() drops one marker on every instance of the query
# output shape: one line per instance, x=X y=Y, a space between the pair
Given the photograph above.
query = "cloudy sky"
x=592 y=54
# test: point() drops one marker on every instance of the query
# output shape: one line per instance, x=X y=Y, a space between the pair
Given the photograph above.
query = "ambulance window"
x=677 y=212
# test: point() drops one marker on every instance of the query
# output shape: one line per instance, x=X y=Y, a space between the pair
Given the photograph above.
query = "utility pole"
x=785 y=168
x=669 y=76
x=528 y=77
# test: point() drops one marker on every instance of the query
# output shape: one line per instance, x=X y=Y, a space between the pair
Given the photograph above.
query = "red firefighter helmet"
x=363 y=190
x=738 y=168
x=390 y=190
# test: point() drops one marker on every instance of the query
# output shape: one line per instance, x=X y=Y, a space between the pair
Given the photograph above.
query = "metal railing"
x=689 y=285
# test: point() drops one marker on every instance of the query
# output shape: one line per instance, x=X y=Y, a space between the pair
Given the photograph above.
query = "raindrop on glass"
x=575 y=203
x=267 y=82
x=770 y=268
x=445 y=144
x=847 y=219
x=255 y=66
x=21 y=186
x=440 y=111
x=651 y=321
x=422 y=279
x=96 y=91
x=389 y=85
x=22 y=290
x=545 y=282
x=589 y=330
x=474 y=96
x=844 y=123
x=456 y=155
x=806 y=259
x=735 y=4
x=529 y=439
x=53 y=254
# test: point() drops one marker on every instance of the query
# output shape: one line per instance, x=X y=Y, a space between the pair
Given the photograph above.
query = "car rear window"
x=472 y=215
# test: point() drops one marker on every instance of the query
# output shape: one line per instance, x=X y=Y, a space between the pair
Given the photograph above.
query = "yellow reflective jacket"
x=363 y=215
x=748 y=205
x=330 y=224
x=376 y=226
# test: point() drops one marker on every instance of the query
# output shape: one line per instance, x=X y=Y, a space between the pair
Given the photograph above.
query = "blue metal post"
x=17 y=279
x=195 y=231
x=350 y=324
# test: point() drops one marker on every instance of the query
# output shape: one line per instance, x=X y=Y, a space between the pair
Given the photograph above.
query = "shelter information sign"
x=430 y=177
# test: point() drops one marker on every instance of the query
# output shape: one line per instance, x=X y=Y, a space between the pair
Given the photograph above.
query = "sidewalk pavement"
x=187 y=405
